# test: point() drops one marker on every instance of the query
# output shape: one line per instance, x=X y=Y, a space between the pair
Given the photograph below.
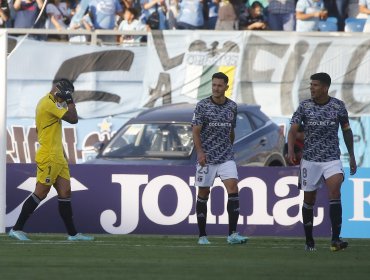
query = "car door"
x=251 y=145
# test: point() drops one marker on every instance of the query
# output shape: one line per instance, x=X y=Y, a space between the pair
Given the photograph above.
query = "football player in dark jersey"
x=213 y=125
x=321 y=116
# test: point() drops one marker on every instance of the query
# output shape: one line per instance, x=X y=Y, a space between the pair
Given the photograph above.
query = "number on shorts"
x=203 y=169
x=304 y=172
x=49 y=167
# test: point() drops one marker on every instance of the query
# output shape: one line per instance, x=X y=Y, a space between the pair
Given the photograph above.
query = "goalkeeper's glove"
x=65 y=96
x=64 y=90
x=68 y=98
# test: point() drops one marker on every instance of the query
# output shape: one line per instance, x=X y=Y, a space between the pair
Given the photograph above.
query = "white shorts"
x=206 y=175
x=312 y=175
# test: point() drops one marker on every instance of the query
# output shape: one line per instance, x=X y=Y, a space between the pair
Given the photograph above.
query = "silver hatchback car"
x=163 y=136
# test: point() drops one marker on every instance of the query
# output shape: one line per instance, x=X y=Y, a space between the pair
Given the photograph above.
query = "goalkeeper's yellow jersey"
x=49 y=115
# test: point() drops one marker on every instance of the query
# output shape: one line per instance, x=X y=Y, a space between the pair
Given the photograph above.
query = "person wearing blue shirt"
x=103 y=13
x=364 y=8
x=191 y=15
x=308 y=14
x=149 y=7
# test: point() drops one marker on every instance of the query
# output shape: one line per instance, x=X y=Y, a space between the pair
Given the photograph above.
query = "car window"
x=257 y=121
x=160 y=140
x=243 y=126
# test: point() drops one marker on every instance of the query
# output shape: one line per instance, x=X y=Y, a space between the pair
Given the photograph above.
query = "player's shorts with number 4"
x=313 y=174
x=206 y=175
x=47 y=172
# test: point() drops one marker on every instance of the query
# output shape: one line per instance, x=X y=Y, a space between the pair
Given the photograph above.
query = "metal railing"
x=93 y=37
x=96 y=37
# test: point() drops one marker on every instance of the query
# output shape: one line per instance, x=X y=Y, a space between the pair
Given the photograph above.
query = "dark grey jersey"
x=321 y=123
x=217 y=121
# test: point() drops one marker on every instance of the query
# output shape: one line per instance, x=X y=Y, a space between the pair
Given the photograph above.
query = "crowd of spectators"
x=124 y=15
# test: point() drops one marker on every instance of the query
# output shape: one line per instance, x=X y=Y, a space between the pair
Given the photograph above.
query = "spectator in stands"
x=227 y=17
x=26 y=12
x=172 y=13
x=353 y=9
x=342 y=8
x=130 y=22
x=59 y=15
x=4 y=13
x=191 y=15
x=85 y=23
x=364 y=8
x=264 y=3
x=256 y=19
x=281 y=15
x=80 y=11
x=212 y=11
x=153 y=14
x=103 y=15
x=127 y=4
x=309 y=13
x=338 y=9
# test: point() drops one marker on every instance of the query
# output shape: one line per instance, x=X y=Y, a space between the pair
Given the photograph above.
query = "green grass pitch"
x=50 y=256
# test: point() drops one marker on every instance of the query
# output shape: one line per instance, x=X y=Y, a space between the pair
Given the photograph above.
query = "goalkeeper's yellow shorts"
x=48 y=172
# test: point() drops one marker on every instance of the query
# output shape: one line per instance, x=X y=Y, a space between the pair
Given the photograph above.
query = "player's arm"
x=198 y=144
x=63 y=91
x=71 y=115
x=292 y=135
x=232 y=136
x=348 y=140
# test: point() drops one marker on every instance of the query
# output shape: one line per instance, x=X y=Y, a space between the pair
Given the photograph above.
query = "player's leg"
x=335 y=210
x=44 y=180
x=63 y=188
x=201 y=211
x=307 y=218
x=229 y=176
x=231 y=186
x=310 y=180
x=204 y=178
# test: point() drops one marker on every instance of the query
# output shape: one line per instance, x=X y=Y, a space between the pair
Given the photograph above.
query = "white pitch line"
x=102 y=243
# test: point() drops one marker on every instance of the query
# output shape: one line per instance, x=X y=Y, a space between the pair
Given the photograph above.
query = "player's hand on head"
x=64 y=90
x=68 y=98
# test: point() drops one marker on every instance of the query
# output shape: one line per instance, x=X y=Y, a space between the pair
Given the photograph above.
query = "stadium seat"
x=328 y=25
x=354 y=24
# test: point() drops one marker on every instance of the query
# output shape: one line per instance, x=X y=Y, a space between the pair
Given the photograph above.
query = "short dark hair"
x=64 y=84
x=220 y=75
x=132 y=11
x=256 y=4
x=322 y=77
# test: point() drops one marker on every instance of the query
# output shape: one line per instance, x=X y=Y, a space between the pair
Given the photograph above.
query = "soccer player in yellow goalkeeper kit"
x=52 y=165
